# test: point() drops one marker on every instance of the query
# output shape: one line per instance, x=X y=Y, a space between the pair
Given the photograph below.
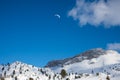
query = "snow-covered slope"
x=24 y=71
x=101 y=61
x=95 y=64
x=92 y=59
x=93 y=53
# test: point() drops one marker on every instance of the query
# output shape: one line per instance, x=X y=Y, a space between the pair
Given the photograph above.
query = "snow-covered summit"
x=23 y=71
x=87 y=55
x=94 y=58
x=94 y=64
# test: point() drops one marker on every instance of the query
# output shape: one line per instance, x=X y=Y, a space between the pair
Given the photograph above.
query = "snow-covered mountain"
x=23 y=71
x=94 y=64
x=91 y=59
x=93 y=53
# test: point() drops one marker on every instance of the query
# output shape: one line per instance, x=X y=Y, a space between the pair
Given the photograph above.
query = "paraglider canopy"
x=58 y=16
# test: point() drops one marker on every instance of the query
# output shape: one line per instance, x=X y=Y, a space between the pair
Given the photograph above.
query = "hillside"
x=94 y=64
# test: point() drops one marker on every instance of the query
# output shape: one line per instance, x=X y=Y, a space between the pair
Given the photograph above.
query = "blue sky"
x=29 y=31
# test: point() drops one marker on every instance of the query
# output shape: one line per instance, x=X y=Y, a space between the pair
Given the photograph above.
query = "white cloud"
x=97 y=12
x=113 y=46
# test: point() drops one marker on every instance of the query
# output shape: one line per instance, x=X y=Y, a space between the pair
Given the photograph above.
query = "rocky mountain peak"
x=93 y=53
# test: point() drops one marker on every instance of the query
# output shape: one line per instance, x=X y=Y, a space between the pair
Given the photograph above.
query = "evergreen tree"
x=30 y=78
x=92 y=72
x=16 y=78
x=5 y=73
x=49 y=77
x=13 y=72
x=8 y=64
x=2 y=68
x=67 y=79
x=2 y=78
x=97 y=74
x=107 y=78
x=63 y=73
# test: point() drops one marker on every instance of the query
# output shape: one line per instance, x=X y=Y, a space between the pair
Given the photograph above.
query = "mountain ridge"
x=89 y=54
x=97 y=64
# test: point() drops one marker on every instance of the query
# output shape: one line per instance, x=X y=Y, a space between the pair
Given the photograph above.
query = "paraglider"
x=58 y=16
